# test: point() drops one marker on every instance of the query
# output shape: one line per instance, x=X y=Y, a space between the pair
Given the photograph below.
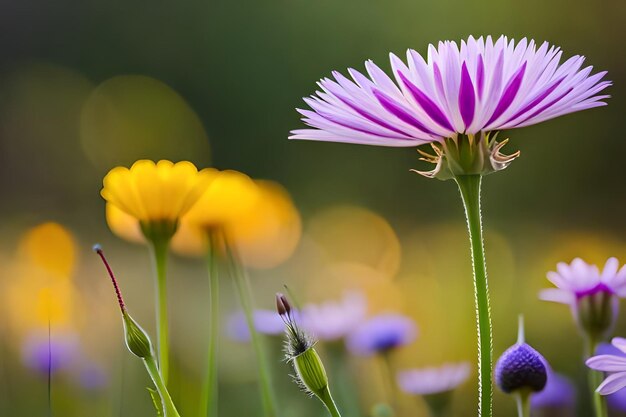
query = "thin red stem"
x=120 y=300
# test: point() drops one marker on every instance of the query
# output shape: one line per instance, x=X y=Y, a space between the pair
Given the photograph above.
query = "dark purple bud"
x=521 y=368
x=282 y=304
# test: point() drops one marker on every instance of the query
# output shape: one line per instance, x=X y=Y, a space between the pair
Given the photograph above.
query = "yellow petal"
x=123 y=224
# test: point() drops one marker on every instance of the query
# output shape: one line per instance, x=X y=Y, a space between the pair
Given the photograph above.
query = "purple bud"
x=521 y=367
x=282 y=304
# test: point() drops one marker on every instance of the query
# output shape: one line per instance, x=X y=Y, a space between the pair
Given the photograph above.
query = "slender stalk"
x=169 y=408
x=159 y=258
x=523 y=404
x=595 y=379
x=328 y=401
x=469 y=186
x=209 y=399
x=245 y=297
x=388 y=371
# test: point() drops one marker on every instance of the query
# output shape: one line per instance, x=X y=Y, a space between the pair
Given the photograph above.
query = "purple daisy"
x=480 y=86
x=592 y=295
x=436 y=380
x=614 y=364
x=381 y=334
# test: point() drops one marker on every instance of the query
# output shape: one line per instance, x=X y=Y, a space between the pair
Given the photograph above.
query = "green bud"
x=597 y=313
x=310 y=371
x=137 y=340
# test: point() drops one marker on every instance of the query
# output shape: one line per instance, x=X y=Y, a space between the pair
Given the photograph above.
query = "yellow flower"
x=156 y=194
x=51 y=247
x=258 y=217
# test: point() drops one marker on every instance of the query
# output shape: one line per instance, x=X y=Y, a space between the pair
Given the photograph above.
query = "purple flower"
x=591 y=294
x=93 y=377
x=44 y=355
x=381 y=334
x=265 y=321
x=479 y=86
x=613 y=363
x=428 y=381
x=559 y=392
x=331 y=320
x=580 y=279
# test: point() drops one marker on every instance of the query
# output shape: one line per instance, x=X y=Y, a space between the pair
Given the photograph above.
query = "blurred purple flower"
x=617 y=400
x=332 y=320
x=481 y=86
x=93 y=377
x=265 y=321
x=42 y=354
x=614 y=364
x=381 y=334
x=559 y=392
x=437 y=380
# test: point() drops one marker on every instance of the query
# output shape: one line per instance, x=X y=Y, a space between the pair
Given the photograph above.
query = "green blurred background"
x=85 y=86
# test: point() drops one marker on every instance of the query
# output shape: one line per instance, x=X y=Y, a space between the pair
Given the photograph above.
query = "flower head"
x=429 y=381
x=155 y=193
x=471 y=89
x=481 y=85
x=521 y=368
x=592 y=294
x=615 y=364
x=381 y=334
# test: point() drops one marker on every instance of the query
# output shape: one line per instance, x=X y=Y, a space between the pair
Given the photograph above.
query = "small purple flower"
x=44 y=355
x=614 y=364
x=592 y=295
x=381 y=334
x=481 y=85
x=265 y=321
x=328 y=321
x=559 y=392
x=331 y=320
x=429 y=381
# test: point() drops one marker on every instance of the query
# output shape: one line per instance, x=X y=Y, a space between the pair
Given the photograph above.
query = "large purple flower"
x=479 y=86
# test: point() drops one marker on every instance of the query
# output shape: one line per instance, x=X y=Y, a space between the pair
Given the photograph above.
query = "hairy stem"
x=469 y=186
x=245 y=297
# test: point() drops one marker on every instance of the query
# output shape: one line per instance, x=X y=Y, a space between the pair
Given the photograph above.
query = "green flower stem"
x=469 y=186
x=595 y=379
x=159 y=248
x=328 y=401
x=245 y=297
x=523 y=404
x=169 y=408
x=209 y=399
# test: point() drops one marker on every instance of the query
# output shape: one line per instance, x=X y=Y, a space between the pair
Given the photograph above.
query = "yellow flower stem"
x=159 y=248
x=469 y=186
x=245 y=297
x=169 y=409
x=209 y=399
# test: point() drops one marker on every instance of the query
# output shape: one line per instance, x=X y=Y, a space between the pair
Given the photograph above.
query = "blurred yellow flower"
x=258 y=217
x=51 y=247
x=123 y=224
x=156 y=193
x=40 y=291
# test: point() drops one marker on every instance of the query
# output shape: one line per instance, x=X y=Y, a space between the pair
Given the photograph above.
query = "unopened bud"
x=310 y=371
x=137 y=340
x=282 y=304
